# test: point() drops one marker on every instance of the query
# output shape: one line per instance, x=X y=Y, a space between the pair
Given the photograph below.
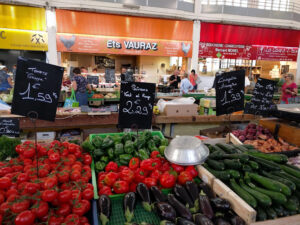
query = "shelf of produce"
x=111 y=99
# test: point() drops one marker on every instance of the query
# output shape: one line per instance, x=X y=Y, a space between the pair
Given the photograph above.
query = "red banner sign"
x=276 y=53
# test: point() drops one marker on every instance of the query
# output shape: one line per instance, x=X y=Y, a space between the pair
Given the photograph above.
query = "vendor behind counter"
x=5 y=80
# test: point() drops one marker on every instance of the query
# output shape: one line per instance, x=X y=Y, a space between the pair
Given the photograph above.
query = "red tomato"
x=55 y=202
x=149 y=181
x=88 y=194
x=40 y=209
x=29 y=153
x=184 y=177
x=49 y=195
x=77 y=153
x=25 y=218
x=53 y=220
x=76 y=195
x=55 y=144
x=2 y=198
x=42 y=151
x=65 y=152
x=23 y=177
x=110 y=178
x=79 y=209
x=192 y=171
x=65 y=196
x=72 y=219
x=63 y=177
x=5 y=182
x=20 y=206
x=72 y=147
x=75 y=175
x=27 y=162
x=121 y=186
x=167 y=180
x=64 y=210
x=4 y=207
x=5 y=170
x=54 y=157
x=43 y=173
x=83 y=220
x=17 y=168
x=86 y=205
x=70 y=159
x=103 y=191
x=127 y=175
x=50 y=182
x=87 y=159
x=11 y=192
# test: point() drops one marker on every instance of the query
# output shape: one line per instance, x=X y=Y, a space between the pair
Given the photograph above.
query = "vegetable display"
x=265 y=181
x=8 y=147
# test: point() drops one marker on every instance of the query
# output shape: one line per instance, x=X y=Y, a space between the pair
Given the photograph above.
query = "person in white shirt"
x=185 y=85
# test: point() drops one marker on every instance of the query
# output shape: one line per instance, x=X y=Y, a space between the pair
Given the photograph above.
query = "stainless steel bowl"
x=186 y=150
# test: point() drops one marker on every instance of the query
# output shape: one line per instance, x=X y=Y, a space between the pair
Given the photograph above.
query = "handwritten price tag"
x=136 y=105
x=9 y=127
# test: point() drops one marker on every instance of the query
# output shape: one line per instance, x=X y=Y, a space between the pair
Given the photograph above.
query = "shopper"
x=289 y=89
x=185 y=85
x=123 y=74
x=193 y=79
x=175 y=79
x=83 y=70
x=80 y=84
x=5 y=80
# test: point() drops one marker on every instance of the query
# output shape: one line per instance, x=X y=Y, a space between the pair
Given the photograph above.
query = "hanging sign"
x=230 y=92
x=276 y=53
x=261 y=101
x=110 y=76
x=136 y=105
x=10 y=127
x=93 y=79
x=37 y=89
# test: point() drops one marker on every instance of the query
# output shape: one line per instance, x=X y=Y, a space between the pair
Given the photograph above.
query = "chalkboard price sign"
x=37 y=89
x=110 y=75
x=136 y=105
x=230 y=92
x=9 y=127
x=261 y=101
x=93 y=79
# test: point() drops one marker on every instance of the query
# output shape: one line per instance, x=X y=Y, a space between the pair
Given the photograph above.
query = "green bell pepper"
x=87 y=146
x=126 y=137
x=129 y=147
x=161 y=149
x=157 y=140
x=151 y=146
x=97 y=141
x=143 y=154
x=125 y=157
x=147 y=135
x=98 y=153
x=107 y=142
x=164 y=142
x=104 y=159
x=117 y=139
x=141 y=142
x=99 y=166
x=119 y=149
x=110 y=153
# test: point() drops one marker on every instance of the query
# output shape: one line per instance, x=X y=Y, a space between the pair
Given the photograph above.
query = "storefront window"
x=278 y=5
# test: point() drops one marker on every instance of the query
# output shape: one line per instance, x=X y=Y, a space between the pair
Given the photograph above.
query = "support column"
x=196 y=40
x=297 y=77
x=51 y=28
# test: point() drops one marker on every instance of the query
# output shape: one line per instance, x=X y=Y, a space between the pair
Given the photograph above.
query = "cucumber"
x=285 y=175
x=222 y=175
x=243 y=194
x=291 y=205
x=293 y=167
x=241 y=148
x=217 y=165
x=218 y=154
x=271 y=184
x=254 y=165
x=240 y=156
x=295 y=200
x=276 y=196
x=249 y=146
x=278 y=209
x=247 y=168
x=217 y=148
x=261 y=214
x=290 y=171
x=268 y=165
x=287 y=182
x=279 y=158
x=234 y=173
x=211 y=149
x=232 y=163
x=271 y=213
x=227 y=148
x=261 y=198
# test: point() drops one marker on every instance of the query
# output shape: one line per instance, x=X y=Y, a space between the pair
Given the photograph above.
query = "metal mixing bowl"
x=186 y=150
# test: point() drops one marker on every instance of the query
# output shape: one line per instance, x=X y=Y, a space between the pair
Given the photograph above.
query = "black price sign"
x=37 y=89
x=136 y=105
x=10 y=127
x=93 y=79
x=261 y=101
x=230 y=92
x=110 y=75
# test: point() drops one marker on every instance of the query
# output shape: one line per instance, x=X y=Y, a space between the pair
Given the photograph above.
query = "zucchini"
x=279 y=158
x=254 y=165
x=247 y=168
x=227 y=148
x=222 y=175
x=290 y=171
x=218 y=154
x=285 y=175
x=232 y=163
x=271 y=213
x=287 y=182
x=261 y=198
x=291 y=205
x=261 y=214
x=243 y=194
x=276 y=196
x=234 y=173
x=278 y=209
x=217 y=165
x=271 y=184
x=268 y=165
x=240 y=156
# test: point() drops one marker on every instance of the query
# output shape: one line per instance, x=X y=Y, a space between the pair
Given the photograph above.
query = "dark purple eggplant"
x=205 y=206
x=220 y=204
x=182 y=221
x=165 y=211
x=104 y=209
x=166 y=222
x=179 y=207
x=236 y=220
x=192 y=189
x=158 y=195
x=183 y=196
x=206 y=189
x=129 y=205
x=201 y=219
x=221 y=221
x=144 y=193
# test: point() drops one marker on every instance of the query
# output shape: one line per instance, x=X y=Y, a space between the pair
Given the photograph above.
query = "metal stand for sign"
x=33 y=115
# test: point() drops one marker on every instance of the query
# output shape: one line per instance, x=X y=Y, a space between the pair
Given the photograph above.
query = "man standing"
x=175 y=79
x=185 y=85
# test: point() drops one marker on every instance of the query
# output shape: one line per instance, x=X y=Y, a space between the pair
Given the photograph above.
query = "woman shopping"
x=80 y=84
x=289 y=89
x=193 y=79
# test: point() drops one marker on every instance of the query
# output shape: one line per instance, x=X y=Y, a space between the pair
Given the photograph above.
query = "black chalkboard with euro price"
x=230 y=92
x=261 y=102
x=9 y=127
x=136 y=105
x=93 y=79
x=37 y=89
x=110 y=76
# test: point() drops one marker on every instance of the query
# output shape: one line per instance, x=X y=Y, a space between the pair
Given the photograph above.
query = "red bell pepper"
x=149 y=164
x=134 y=163
x=184 y=177
x=111 y=167
x=192 y=171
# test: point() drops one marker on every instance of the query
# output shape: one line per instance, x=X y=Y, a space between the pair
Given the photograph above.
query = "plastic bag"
x=71 y=102
x=161 y=104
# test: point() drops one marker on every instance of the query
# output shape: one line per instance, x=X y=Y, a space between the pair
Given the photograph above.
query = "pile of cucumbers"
x=265 y=181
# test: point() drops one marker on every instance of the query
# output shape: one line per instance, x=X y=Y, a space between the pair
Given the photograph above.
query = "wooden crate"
x=290 y=220
x=230 y=138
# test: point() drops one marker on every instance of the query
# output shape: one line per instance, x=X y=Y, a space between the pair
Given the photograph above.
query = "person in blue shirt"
x=5 y=80
x=80 y=84
x=185 y=85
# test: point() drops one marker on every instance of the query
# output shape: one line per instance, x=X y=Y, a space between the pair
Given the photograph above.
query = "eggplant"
x=201 y=219
x=182 y=221
x=221 y=221
x=206 y=189
x=166 y=222
x=129 y=205
x=193 y=190
x=165 y=211
x=183 y=196
x=158 y=195
x=179 y=207
x=104 y=209
x=205 y=206
x=236 y=220
x=220 y=204
x=144 y=193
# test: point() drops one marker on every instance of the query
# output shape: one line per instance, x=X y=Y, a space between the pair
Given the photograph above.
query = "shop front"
x=147 y=47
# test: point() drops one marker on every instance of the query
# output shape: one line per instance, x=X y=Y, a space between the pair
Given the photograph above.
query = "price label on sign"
x=37 y=89
x=136 y=105
x=261 y=101
x=9 y=127
x=230 y=92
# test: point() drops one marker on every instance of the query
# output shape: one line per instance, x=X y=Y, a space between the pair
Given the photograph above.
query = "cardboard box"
x=181 y=110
